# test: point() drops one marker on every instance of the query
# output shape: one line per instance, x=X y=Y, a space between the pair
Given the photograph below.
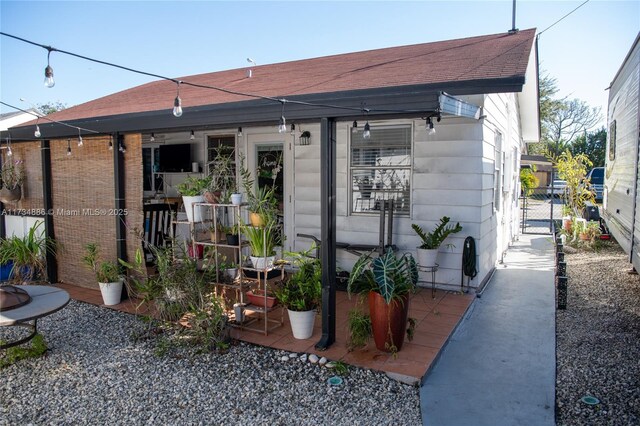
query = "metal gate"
x=539 y=209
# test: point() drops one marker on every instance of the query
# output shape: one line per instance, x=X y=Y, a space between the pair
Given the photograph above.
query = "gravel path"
x=95 y=373
x=598 y=338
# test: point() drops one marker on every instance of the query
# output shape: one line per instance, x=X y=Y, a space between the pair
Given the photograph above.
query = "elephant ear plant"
x=389 y=280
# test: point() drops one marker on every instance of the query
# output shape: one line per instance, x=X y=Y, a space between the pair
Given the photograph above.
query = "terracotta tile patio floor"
x=436 y=318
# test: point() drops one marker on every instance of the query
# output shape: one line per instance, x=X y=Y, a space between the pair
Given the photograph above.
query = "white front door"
x=269 y=158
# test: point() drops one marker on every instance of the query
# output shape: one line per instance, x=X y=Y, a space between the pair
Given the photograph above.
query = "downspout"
x=328 y=230
x=47 y=196
x=119 y=178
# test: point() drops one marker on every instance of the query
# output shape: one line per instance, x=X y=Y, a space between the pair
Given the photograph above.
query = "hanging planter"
x=10 y=195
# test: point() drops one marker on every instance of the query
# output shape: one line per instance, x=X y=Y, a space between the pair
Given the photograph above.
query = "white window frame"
x=408 y=168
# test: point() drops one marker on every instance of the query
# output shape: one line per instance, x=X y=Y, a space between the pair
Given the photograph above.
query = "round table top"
x=45 y=300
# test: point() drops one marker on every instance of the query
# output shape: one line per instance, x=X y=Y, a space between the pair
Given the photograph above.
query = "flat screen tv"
x=175 y=158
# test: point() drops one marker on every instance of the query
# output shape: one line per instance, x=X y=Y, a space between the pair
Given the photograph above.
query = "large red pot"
x=388 y=322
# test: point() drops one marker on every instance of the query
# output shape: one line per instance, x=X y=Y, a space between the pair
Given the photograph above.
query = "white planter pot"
x=231 y=272
x=236 y=199
x=427 y=257
x=302 y=323
x=262 y=262
x=238 y=310
x=193 y=214
x=111 y=292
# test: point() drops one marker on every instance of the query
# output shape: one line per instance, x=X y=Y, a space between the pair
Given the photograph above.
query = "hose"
x=468 y=261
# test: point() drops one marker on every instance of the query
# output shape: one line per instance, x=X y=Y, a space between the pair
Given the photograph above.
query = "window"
x=612 y=141
x=498 y=167
x=381 y=169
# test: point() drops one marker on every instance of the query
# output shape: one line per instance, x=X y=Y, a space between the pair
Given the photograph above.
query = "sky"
x=180 y=38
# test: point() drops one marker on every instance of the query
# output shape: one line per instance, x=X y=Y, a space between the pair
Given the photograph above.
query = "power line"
x=552 y=25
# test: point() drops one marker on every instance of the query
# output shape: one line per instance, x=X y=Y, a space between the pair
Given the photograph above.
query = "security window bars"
x=381 y=169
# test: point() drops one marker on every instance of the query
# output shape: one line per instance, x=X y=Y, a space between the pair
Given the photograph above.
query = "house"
x=467 y=169
x=620 y=194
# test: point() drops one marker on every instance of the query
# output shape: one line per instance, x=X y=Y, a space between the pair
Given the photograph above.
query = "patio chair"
x=158 y=230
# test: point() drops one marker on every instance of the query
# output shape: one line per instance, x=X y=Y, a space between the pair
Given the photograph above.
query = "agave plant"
x=433 y=240
x=388 y=275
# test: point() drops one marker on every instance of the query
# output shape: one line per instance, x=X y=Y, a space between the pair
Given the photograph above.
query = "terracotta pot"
x=388 y=322
x=257 y=297
x=211 y=197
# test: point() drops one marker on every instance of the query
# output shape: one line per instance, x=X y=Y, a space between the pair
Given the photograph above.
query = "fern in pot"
x=427 y=252
x=107 y=274
x=301 y=293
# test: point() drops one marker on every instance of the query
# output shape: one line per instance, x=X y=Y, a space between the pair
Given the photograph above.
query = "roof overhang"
x=383 y=103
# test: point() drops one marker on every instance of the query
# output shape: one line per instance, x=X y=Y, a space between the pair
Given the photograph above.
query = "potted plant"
x=222 y=176
x=262 y=241
x=12 y=176
x=27 y=254
x=388 y=280
x=427 y=252
x=191 y=190
x=231 y=234
x=107 y=274
x=262 y=203
x=301 y=293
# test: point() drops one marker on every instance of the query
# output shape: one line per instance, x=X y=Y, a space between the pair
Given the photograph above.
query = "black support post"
x=328 y=230
x=47 y=195
x=119 y=178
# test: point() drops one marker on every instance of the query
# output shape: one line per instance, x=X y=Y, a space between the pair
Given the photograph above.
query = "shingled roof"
x=483 y=64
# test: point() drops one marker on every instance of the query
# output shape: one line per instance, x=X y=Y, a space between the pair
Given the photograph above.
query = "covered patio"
x=436 y=320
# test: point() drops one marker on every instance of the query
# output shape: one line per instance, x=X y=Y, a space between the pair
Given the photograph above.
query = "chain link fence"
x=539 y=208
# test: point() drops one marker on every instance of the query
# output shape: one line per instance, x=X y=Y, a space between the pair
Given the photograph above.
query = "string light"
x=152 y=138
x=293 y=129
x=239 y=132
x=354 y=128
x=9 y=152
x=48 y=72
x=367 y=131
x=80 y=141
x=110 y=143
x=68 y=147
x=122 y=148
x=177 y=103
x=430 y=128
x=37 y=133
x=282 y=126
x=193 y=136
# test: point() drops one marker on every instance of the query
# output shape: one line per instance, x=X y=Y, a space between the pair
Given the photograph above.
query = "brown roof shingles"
x=475 y=58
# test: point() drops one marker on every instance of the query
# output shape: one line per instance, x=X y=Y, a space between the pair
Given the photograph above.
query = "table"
x=45 y=300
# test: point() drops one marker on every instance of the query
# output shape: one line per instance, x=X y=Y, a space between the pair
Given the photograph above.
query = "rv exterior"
x=621 y=203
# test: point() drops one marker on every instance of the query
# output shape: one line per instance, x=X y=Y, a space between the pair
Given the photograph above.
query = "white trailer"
x=621 y=185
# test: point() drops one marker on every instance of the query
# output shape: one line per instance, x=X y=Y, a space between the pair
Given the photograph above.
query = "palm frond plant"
x=389 y=279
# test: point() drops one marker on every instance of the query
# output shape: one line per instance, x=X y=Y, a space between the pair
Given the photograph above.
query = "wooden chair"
x=157 y=228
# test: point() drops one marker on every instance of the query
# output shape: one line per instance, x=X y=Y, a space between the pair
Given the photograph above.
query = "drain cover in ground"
x=590 y=400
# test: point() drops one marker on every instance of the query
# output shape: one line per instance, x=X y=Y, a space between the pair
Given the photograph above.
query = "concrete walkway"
x=499 y=366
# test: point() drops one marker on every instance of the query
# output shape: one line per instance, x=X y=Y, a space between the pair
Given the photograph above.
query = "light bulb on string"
x=239 y=132
x=193 y=136
x=37 y=133
x=354 y=128
x=48 y=73
x=177 y=104
x=9 y=152
x=110 y=143
x=68 y=147
x=430 y=128
x=367 y=131
x=122 y=148
x=152 y=138
x=293 y=129
x=80 y=141
x=282 y=127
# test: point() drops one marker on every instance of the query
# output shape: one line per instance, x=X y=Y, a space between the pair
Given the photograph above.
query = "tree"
x=593 y=145
x=50 y=107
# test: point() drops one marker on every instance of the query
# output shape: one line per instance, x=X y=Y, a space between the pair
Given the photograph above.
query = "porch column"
x=118 y=176
x=328 y=230
x=47 y=199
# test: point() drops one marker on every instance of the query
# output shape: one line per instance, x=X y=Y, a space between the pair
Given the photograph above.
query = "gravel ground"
x=598 y=338
x=95 y=373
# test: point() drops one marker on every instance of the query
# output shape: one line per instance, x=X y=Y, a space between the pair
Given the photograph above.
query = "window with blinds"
x=380 y=169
